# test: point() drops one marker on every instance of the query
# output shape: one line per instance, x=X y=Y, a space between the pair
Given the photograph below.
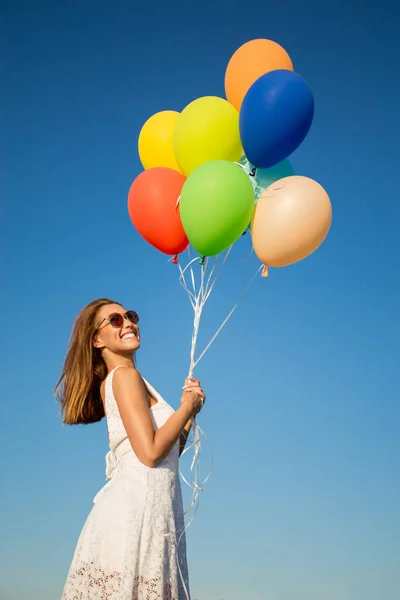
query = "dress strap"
x=114 y=369
x=108 y=384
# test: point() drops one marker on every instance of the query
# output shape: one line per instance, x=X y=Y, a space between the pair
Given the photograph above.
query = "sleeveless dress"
x=128 y=549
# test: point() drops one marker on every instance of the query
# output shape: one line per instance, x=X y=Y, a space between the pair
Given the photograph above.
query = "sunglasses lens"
x=133 y=316
x=116 y=320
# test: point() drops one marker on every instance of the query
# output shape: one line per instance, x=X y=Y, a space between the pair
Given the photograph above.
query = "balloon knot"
x=253 y=172
x=264 y=271
x=201 y=261
x=175 y=259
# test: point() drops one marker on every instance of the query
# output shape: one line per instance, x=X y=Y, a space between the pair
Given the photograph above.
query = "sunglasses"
x=117 y=319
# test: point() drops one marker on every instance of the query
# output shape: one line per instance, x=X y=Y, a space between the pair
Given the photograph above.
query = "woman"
x=128 y=546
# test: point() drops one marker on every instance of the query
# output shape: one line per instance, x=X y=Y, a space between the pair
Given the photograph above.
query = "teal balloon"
x=216 y=205
x=265 y=177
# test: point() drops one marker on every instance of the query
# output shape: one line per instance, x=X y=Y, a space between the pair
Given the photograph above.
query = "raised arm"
x=150 y=446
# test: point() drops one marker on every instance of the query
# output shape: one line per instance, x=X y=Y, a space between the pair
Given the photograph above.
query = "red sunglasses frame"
x=134 y=319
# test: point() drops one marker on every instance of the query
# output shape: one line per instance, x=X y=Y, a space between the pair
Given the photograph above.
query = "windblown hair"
x=78 y=389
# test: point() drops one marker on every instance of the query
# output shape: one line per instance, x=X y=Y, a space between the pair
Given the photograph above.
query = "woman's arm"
x=149 y=446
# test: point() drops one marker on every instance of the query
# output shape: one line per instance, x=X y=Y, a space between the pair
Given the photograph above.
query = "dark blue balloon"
x=275 y=117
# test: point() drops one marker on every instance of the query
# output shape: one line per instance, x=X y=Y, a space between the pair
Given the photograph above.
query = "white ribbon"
x=198 y=297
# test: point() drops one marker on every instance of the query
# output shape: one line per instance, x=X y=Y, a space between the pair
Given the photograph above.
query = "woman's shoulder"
x=125 y=372
x=128 y=380
x=125 y=378
x=112 y=375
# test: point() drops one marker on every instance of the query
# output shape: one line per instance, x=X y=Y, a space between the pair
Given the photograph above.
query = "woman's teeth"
x=128 y=336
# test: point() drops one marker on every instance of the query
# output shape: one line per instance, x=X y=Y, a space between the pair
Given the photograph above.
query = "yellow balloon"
x=291 y=219
x=207 y=129
x=155 y=143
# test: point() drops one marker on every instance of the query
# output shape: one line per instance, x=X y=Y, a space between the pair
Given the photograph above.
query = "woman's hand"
x=193 y=394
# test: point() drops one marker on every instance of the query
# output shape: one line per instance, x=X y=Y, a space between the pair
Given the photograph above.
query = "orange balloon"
x=291 y=219
x=152 y=207
x=249 y=62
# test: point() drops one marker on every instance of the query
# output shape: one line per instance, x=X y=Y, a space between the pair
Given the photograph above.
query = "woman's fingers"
x=193 y=388
x=192 y=381
x=192 y=384
x=196 y=389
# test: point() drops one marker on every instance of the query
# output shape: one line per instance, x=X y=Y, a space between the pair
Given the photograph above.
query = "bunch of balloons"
x=220 y=166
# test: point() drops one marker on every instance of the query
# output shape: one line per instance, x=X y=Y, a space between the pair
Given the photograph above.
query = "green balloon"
x=216 y=205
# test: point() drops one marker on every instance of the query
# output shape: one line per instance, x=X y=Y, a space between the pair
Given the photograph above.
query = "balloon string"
x=229 y=315
x=198 y=301
x=198 y=296
x=194 y=503
x=251 y=175
x=210 y=287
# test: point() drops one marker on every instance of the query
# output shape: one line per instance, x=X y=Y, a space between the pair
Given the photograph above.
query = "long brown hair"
x=78 y=389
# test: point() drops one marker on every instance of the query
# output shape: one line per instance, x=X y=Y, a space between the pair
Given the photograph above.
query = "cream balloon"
x=291 y=219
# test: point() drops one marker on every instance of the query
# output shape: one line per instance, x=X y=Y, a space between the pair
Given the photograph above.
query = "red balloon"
x=152 y=207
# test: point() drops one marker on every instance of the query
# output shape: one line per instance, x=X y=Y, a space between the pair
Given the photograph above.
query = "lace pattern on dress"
x=89 y=581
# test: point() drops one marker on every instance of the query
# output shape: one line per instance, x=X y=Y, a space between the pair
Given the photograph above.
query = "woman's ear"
x=97 y=343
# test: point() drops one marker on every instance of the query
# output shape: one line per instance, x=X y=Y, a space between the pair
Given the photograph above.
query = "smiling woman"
x=128 y=546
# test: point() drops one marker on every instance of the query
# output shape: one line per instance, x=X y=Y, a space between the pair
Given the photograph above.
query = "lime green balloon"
x=216 y=205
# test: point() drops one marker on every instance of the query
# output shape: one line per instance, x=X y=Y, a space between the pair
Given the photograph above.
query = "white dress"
x=127 y=549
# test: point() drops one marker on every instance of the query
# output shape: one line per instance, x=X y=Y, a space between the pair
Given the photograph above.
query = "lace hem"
x=89 y=582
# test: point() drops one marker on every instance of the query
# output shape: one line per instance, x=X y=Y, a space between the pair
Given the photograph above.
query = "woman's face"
x=119 y=340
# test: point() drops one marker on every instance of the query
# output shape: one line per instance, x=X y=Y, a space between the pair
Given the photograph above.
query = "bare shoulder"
x=126 y=376
x=127 y=382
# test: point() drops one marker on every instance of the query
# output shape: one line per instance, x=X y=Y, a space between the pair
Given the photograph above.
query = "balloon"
x=216 y=205
x=249 y=62
x=291 y=219
x=265 y=177
x=155 y=143
x=152 y=207
x=275 y=117
x=207 y=129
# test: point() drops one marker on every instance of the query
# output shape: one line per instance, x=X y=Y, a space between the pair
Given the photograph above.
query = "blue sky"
x=303 y=402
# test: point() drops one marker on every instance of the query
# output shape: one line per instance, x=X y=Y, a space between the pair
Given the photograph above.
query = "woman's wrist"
x=187 y=409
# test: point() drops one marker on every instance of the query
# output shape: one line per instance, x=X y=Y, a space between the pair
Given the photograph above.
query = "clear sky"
x=303 y=401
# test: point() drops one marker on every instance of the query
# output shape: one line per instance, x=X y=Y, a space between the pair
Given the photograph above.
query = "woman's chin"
x=129 y=349
x=134 y=346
